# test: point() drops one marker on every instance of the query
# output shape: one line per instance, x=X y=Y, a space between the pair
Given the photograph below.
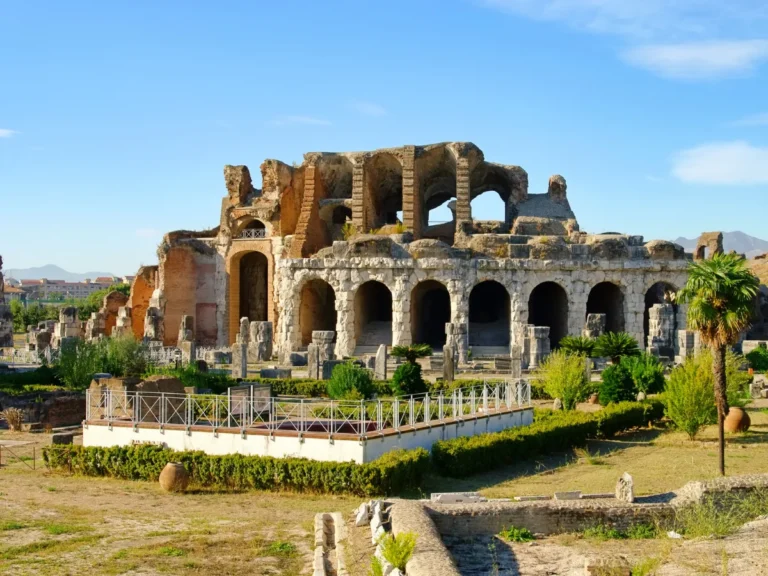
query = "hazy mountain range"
x=738 y=241
x=51 y=272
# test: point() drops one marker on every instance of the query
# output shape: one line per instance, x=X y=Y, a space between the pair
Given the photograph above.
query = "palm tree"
x=412 y=352
x=578 y=345
x=720 y=294
x=614 y=345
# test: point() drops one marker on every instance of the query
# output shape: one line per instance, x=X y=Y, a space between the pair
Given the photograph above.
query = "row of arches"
x=430 y=308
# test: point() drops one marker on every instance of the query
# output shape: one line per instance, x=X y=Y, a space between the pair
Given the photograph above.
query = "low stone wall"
x=430 y=556
x=51 y=409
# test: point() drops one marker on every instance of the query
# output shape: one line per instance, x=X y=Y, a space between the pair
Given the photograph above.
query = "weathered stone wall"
x=178 y=280
x=141 y=292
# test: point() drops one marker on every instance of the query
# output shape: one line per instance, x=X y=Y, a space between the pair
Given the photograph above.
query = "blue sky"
x=117 y=118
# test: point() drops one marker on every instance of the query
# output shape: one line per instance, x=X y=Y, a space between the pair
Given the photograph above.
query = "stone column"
x=186 y=339
x=463 y=210
x=124 y=323
x=259 y=341
x=538 y=337
x=661 y=319
x=345 y=324
x=401 y=311
x=380 y=364
x=324 y=341
x=449 y=354
x=314 y=365
x=240 y=351
x=411 y=199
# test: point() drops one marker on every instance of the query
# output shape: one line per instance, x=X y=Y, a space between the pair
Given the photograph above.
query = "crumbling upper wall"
x=143 y=286
x=709 y=244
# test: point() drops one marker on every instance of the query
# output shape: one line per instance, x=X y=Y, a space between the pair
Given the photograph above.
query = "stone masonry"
x=6 y=320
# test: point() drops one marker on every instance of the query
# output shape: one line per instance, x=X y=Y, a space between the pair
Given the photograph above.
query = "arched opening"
x=607 y=298
x=489 y=205
x=317 y=310
x=341 y=215
x=430 y=311
x=489 y=313
x=660 y=293
x=437 y=188
x=373 y=314
x=491 y=188
x=254 y=229
x=255 y=225
x=548 y=306
x=254 y=279
x=384 y=194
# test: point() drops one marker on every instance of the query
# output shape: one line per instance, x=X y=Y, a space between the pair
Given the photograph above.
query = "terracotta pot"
x=751 y=371
x=174 y=477
x=737 y=420
x=594 y=398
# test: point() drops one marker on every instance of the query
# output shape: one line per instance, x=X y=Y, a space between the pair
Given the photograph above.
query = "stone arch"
x=608 y=298
x=335 y=176
x=254 y=286
x=487 y=178
x=548 y=306
x=317 y=308
x=341 y=215
x=251 y=223
x=235 y=271
x=660 y=292
x=437 y=185
x=489 y=314
x=430 y=311
x=373 y=314
x=383 y=197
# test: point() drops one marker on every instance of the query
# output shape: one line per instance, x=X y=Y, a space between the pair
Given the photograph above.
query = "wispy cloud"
x=723 y=163
x=369 y=108
x=700 y=60
x=7 y=132
x=148 y=233
x=752 y=120
x=305 y=120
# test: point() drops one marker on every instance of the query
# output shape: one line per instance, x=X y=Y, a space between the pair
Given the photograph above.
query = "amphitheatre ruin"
x=343 y=243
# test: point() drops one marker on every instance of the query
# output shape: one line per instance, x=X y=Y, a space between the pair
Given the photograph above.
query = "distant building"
x=45 y=289
x=14 y=293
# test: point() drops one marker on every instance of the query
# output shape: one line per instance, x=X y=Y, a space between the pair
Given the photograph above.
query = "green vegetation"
x=515 y=534
x=578 y=345
x=350 y=382
x=408 y=380
x=720 y=294
x=689 y=397
x=640 y=531
x=397 y=550
x=563 y=375
x=617 y=385
x=758 y=359
x=31 y=315
x=395 y=472
x=616 y=345
x=412 y=352
x=79 y=360
x=646 y=371
x=722 y=516
x=550 y=432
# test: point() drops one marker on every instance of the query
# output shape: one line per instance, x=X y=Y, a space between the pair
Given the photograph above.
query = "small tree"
x=617 y=385
x=397 y=550
x=615 y=345
x=720 y=293
x=564 y=376
x=646 y=371
x=578 y=345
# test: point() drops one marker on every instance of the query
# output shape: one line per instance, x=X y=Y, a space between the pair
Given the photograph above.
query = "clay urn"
x=737 y=420
x=174 y=477
x=594 y=398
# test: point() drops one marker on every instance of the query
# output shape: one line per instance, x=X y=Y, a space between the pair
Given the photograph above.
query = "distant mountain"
x=51 y=272
x=738 y=241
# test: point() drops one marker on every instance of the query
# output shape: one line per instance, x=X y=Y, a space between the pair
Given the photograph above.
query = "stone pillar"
x=154 y=321
x=594 y=326
x=186 y=339
x=124 y=323
x=457 y=337
x=463 y=210
x=259 y=341
x=661 y=326
x=313 y=361
x=6 y=319
x=94 y=327
x=411 y=199
x=345 y=324
x=449 y=353
x=539 y=345
x=240 y=351
x=324 y=341
x=516 y=362
x=358 y=195
x=380 y=364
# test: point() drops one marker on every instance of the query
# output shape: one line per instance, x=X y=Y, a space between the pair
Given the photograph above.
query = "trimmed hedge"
x=550 y=432
x=393 y=473
x=310 y=388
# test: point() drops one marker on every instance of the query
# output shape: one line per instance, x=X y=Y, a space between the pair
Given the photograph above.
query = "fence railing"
x=254 y=411
x=253 y=233
x=34 y=357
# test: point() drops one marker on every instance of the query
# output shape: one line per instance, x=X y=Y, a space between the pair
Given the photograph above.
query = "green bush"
x=515 y=534
x=689 y=396
x=758 y=359
x=407 y=380
x=78 y=362
x=395 y=472
x=44 y=375
x=123 y=356
x=216 y=382
x=350 y=382
x=564 y=376
x=646 y=371
x=550 y=432
x=617 y=385
x=616 y=345
x=398 y=549
x=578 y=345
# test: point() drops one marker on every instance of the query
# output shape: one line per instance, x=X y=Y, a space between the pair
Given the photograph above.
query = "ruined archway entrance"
x=430 y=311
x=607 y=298
x=373 y=314
x=254 y=280
x=659 y=293
x=489 y=312
x=548 y=306
x=317 y=309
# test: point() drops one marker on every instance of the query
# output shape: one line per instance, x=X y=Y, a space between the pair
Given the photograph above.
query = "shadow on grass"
x=543 y=465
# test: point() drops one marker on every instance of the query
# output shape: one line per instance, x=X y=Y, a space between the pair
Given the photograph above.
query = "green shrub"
x=397 y=550
x=411 y=352
x=615 y=345
x=44 y=375
x=123 y=356
x=646 y=371
x=407 y=380
x=689 y=396
x=515 y=534
x=578 y=345
x=550 y=432
x=603 y=532
x=78 y=362
x=617 y=385
x=350 y=382
x=758 y=359
x=564 y=376
x=216 y=382
x=395 y=472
